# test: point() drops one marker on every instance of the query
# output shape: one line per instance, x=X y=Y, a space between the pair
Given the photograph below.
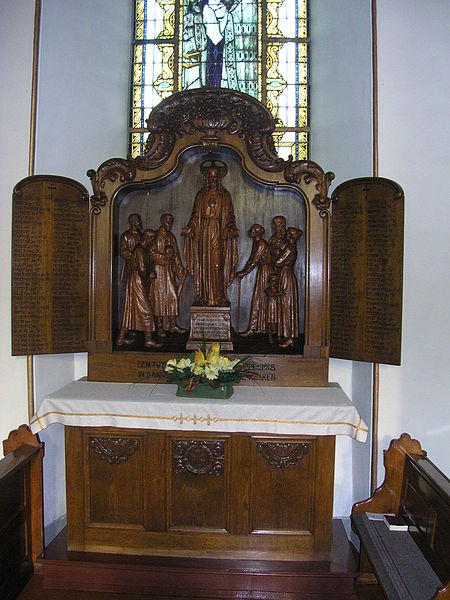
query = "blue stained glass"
x=259 y=49
x=220 y=44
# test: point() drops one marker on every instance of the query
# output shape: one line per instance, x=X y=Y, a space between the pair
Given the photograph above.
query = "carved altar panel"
x=282 y=485
x=50 y=266
x=198 y=483
x=115 y=466
x=253 y=202
x=367 y=271
x=139 y=321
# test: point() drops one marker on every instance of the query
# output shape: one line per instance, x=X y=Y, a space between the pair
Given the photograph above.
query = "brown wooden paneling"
x=240 y=483
x=367 y=271
x=116 y=471
x=181 y=500
x=282 y=484
x=146 y=367
x=155 y=491
x=21 y=539
x=158 y=577
x=50 y=266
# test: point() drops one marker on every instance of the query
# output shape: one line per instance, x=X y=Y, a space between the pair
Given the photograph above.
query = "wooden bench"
x=412 y=565
x=21 y=523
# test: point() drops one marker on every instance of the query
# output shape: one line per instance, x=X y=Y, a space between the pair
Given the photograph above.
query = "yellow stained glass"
x=255 y=47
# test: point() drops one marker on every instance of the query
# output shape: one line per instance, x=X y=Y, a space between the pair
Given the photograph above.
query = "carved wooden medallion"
x=114 y=450
x=198 y=457
x=282 y=455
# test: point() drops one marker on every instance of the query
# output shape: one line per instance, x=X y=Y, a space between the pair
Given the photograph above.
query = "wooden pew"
x=415 y=564
x=21 y=511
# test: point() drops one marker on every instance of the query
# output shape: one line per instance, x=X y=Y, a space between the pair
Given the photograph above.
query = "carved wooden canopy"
x=211 y=112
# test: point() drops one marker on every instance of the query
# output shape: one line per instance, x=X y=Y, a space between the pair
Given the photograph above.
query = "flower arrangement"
x=210 y=367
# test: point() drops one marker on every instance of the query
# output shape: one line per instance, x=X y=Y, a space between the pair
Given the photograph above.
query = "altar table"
x=248 y=477
x=285 y=410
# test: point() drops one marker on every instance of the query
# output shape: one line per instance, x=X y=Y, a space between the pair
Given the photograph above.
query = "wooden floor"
x=34 y=591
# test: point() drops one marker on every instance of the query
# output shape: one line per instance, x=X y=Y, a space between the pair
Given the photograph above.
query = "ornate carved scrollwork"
x=114 y=450
x=310 y=171
x=283 y=455
x=109 y=170
x=198 y=457
x=211 y=111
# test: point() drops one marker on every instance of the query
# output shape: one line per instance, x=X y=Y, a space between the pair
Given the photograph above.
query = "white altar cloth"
x=283 y=410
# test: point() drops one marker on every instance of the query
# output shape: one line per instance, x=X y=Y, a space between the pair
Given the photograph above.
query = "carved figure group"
x=274 y=305
x=154 y=274
x=151 y=264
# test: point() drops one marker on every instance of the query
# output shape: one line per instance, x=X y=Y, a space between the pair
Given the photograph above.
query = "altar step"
x=311 y=579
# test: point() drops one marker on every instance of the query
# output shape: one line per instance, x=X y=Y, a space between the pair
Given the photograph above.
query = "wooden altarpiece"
x=201 y=493
x=186 y=132
x=184 y=492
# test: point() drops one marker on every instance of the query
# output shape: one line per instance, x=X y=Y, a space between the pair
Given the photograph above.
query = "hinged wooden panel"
x=367 y=271
x=50 y=266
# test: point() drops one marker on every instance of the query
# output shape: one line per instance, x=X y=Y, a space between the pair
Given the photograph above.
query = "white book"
x=395 y=523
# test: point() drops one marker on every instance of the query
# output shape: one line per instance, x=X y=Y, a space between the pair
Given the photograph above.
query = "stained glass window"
x=259 y=47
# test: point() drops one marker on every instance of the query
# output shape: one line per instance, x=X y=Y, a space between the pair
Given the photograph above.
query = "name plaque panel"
x=210 y=324
x=50 y=266
x=367 y=271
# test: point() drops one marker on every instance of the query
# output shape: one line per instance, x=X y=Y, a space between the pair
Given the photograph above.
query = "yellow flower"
x=198 y=370
x=213 y=354
x=199 y=357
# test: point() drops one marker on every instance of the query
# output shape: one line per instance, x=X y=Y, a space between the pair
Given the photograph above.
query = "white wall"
x=82 y=121
x=16 y=56
x=341 y=141
x=414 y=134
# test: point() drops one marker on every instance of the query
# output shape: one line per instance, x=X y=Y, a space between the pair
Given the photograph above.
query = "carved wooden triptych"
x=208 y=236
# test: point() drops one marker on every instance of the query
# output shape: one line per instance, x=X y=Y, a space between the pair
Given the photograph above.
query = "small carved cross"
x=365 y=190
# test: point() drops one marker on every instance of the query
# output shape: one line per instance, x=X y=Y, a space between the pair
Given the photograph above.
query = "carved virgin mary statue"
x=210 y=247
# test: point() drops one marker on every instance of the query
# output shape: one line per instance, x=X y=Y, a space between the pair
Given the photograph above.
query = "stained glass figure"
x=259 y=48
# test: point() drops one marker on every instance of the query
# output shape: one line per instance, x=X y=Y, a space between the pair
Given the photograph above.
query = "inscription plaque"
x=367 y=271
x=210 y=324
x=50 y=266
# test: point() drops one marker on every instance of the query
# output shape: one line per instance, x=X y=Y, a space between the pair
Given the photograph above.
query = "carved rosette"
x=198 y=457
x=283 y=455
x=111 y=170
x=211 y=111
x=114 y=450
x=309 y=171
